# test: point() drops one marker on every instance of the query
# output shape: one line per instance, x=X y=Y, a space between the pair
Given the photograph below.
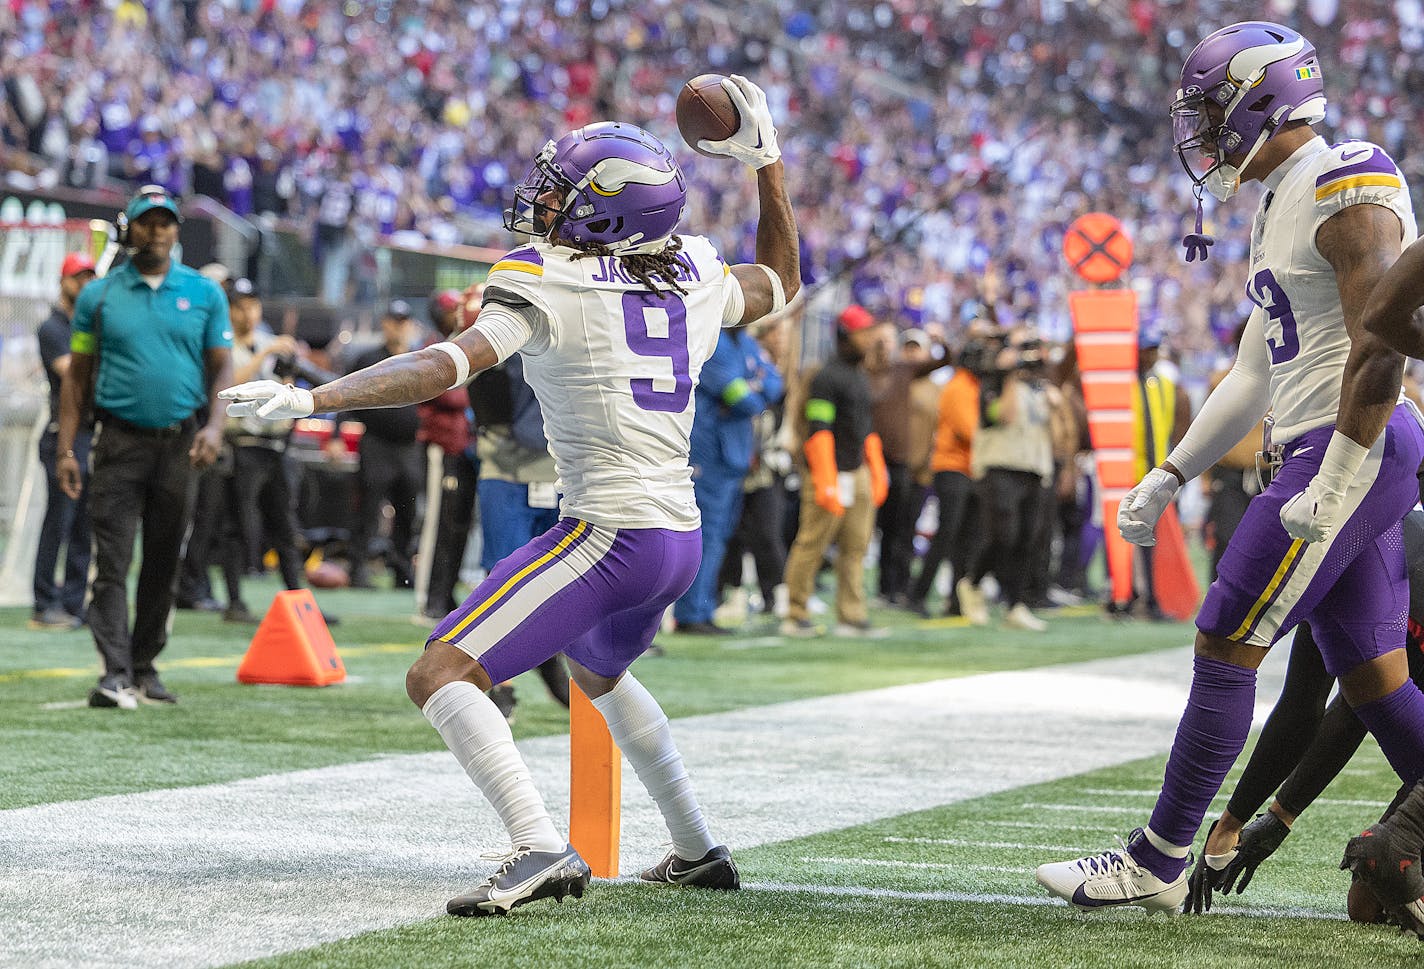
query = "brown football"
x=706 y=112
x=328 y=575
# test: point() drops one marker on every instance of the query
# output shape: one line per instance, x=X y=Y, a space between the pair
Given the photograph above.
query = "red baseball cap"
x=447 y=300
x=76 y=263
x=855 y=317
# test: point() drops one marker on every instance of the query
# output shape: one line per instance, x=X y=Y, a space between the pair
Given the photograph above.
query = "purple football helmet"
x=1257 y=76
x=606 y=184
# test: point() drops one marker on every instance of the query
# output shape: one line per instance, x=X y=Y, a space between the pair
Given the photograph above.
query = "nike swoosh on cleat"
x=1082 y=899
x=506 y=899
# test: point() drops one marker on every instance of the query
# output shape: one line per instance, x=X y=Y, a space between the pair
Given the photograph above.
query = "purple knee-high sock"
x=1397 y=722
x=1209 y=739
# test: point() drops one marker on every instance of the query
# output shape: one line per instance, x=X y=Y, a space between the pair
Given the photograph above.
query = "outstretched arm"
x=407 y=378
x=777 y=248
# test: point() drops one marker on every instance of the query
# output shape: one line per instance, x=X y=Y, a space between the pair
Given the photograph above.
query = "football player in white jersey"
x=614 y=316
x=1323 y=543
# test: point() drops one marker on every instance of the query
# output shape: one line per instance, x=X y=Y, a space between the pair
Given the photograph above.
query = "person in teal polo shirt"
x=150 y=349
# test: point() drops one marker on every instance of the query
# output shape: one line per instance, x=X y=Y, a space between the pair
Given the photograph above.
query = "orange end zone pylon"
x=292 y=646
x=595 y=786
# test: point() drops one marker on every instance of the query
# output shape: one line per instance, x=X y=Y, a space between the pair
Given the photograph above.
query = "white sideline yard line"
x=204 y=876
x=921 y=865
x=957 y=843
x=1028 y=901
x=1098 y=829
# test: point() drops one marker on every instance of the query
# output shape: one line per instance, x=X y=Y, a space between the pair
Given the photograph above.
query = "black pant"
x=458 y=484
x=958 y=536
x=138 y=481
x=1073 y=515
x=896 y=520
x=1040 y=548
x=1229 y=499
x=758 y=531
x=1010 y=501
x=261 y=513
x=66 y=525
x=393 y=472
x=211 y=511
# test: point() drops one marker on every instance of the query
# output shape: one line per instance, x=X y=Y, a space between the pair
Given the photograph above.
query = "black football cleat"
x=525 y=876
x=716 y=870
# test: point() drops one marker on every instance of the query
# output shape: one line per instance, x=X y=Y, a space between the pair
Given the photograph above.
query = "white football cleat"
x=1113 y=878
x=1020 y=617
x=972 y=605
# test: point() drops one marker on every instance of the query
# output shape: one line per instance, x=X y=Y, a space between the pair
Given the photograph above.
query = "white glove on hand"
x=754 y=143
x=268 y=400
x=1313 y=514
x=1138 y=513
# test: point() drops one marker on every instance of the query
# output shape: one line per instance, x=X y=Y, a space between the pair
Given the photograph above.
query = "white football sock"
x=640 y=729
x=477 y=734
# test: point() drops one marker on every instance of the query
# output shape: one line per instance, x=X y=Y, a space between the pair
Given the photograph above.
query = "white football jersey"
x=1294 y=286
x=614 y=367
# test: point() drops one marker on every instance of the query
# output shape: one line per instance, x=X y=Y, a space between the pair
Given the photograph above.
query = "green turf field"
x=949 y=886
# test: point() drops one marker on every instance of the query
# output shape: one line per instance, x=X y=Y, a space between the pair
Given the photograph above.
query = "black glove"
x=1259 y=840
x=1204 y=878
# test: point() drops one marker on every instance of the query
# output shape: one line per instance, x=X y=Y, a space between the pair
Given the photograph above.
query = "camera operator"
x=1014 y=453
x=259 y=490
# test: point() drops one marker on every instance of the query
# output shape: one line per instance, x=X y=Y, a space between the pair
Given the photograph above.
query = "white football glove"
x=1313 y=514
x=268 y=400
x=1138 y=513
x=754 y=143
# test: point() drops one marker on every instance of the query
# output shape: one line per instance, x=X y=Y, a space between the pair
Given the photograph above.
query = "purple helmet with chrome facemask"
x=606 y=184
x=1238 y=87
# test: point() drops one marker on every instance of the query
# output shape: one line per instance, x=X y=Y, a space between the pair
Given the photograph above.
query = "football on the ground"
x=327 y=575
x=705 y=111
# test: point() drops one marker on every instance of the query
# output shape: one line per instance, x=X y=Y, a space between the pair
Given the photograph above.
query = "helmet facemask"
x=530 y=215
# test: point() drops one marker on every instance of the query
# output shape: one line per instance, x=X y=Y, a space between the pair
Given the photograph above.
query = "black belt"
x=184 y=426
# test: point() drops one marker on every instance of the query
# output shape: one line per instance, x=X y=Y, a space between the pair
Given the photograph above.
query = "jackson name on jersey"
x=1294 y=286
x=614 y=367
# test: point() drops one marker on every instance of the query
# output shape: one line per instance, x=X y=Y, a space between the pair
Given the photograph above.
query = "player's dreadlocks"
x=643 y=266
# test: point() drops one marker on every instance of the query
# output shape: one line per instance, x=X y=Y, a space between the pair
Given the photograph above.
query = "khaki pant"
x=818 y=529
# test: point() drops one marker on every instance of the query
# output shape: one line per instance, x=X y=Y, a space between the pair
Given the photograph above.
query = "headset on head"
x=121 y=220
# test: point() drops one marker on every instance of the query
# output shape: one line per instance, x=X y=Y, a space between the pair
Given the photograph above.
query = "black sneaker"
x=151 y=690
x=503 y=696
x=525 y=876
x=237 y=611
x=716 y=869
x=1391 y=872
x=701 y=629
x=113 y=692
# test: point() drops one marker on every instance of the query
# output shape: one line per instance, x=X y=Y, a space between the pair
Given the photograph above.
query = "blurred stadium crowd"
x=938 y=150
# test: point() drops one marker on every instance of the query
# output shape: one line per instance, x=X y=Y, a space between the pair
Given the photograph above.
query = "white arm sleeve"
x=509 y=330
x=734 y=301
x=1234 y=408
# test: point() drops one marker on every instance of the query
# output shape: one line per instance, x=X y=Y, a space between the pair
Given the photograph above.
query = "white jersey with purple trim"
x=1294 y=286
x=614 y=367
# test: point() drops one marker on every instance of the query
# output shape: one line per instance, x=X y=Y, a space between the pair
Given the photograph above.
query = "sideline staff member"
x=157 y=335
